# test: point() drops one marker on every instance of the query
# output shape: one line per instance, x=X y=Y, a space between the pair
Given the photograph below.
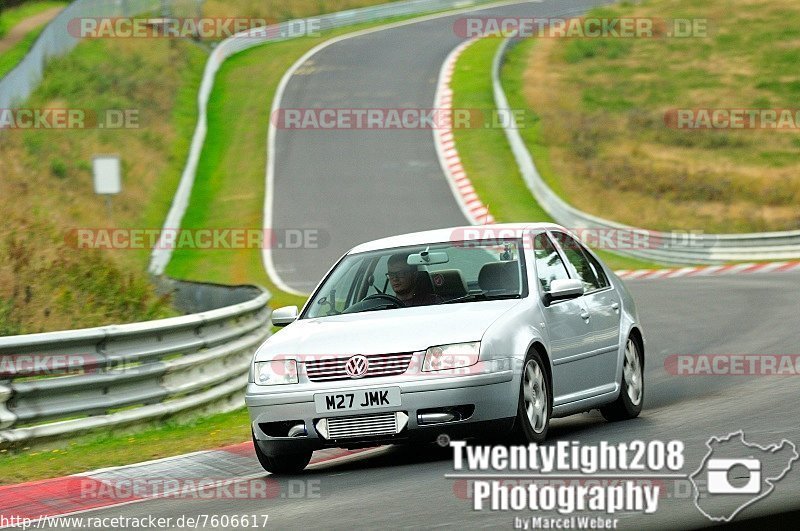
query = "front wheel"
x=284 y=463
x=535 y=404
x=631 y=396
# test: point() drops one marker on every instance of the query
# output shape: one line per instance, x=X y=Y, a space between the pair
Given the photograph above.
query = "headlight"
x=276 y=372
x=451 y=356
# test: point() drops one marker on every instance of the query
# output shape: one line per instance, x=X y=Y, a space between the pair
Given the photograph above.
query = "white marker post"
x=107 y=177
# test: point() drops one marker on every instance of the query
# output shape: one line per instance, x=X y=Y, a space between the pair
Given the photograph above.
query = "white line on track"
x=276 y=103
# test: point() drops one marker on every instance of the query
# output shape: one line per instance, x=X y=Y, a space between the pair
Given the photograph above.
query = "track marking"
x=69 y=488
x=266 y=253
x=707 y=271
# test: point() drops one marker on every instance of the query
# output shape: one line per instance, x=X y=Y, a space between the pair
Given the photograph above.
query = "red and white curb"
x=226 y=472
x=471 y=205
x=478 y=214
x=706 y=271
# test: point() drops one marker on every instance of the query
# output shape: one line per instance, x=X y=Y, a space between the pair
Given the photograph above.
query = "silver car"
x=463 y=332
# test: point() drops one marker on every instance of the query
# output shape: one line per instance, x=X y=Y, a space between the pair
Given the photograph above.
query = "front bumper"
x=490 y=387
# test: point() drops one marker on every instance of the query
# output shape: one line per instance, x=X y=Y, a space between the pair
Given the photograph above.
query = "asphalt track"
x=355 y=186
x=362 y=185
x=401 y=487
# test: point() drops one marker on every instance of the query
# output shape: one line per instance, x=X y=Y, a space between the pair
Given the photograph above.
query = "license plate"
x=357 y=400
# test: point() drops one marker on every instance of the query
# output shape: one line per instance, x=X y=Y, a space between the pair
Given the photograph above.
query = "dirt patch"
x=18 y=32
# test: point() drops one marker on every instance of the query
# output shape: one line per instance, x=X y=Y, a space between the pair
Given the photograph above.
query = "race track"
x=360 y=185
x=355 y=186
x=401 y=487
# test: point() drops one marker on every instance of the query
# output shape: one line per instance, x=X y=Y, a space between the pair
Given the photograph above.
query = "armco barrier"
x=64 y=383
x=162 y=252
x=55 y=40
x=702 y=249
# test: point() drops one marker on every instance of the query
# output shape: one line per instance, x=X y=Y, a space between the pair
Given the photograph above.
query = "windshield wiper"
x=386 y=306
x=483 y=296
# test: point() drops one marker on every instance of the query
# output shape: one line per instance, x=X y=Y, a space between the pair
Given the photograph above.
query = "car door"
x=567 y=326
x=603 y=303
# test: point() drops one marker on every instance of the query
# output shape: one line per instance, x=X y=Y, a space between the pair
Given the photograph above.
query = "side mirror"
x=563 y=289
x=284 y=316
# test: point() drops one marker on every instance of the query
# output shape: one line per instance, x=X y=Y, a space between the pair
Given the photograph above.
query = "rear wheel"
x=535 y=404
x=631 y=396
x=283 y=463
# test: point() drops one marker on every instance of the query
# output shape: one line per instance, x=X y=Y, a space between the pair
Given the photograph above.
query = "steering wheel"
x=385 y=296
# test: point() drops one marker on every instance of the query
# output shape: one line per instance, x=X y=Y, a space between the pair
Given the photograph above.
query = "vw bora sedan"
x=467 y=332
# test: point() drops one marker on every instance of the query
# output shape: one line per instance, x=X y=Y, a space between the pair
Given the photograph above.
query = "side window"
x=549 y=266
x=580 y=262
x=597 y=269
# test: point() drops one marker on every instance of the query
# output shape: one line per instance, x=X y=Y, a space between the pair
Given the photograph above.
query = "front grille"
x=365 y=425
x=327 y=369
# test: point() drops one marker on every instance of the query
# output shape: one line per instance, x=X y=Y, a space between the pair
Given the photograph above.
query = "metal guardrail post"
x=64 y=383
x=704 y=249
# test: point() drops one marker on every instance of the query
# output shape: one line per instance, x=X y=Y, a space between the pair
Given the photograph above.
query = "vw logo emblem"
x=357 y=366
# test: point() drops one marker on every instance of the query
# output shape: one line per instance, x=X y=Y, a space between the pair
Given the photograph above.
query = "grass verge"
x=46 y=281
x=604 y=141
x=231 y=174
x=10 y=17
x=113 y=449
x=485 y=153
x=11 y=57
x=229 y=187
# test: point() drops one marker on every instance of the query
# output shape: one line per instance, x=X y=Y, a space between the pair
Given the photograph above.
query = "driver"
x=407 y=283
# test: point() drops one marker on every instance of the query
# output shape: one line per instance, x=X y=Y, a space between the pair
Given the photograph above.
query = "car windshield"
x=443 y=273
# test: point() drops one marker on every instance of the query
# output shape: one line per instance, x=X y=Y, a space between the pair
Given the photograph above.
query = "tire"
x=631 y=396
x=283 y=463
x=535 y=405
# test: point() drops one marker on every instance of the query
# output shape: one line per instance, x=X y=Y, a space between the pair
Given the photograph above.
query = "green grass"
x=511 y=78
x=11 y=57
x=485 y=153
x=10 y=17
x=50 y=284
x=184 y=119
x=120 y=448
x=229 y=187
x=231 y=174
x=601 y=141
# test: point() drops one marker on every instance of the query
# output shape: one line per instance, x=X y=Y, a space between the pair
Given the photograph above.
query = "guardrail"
x=65 y=383
x=700 y=248
x=162 y=252
x=55 y=39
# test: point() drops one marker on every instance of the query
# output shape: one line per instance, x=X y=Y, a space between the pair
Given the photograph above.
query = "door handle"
x=615 y=306
x=584 y=315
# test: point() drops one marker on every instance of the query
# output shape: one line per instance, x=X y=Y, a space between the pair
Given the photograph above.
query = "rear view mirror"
x=563 y=289
x=428 y=258
x=284 y=316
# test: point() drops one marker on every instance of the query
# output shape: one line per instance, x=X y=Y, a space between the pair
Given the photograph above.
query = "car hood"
x=387 y=331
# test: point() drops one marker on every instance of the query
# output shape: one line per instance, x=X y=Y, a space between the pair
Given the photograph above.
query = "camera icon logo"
x=735 y=474
x=720 y=469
